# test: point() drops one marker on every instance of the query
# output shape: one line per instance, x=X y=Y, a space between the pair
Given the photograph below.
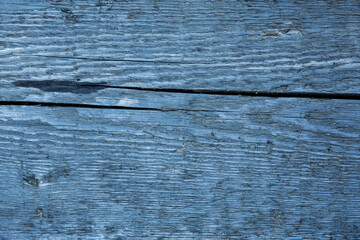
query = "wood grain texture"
x=177 y=165
x=246 y=45
x=262 y=169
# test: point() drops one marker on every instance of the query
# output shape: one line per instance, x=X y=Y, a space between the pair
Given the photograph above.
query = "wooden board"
x=93 y=146
x=256 y=168
x=239 y=45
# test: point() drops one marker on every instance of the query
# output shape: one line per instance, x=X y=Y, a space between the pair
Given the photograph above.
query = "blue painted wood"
x=246 y=45
x=191 y=166
x=263 y=169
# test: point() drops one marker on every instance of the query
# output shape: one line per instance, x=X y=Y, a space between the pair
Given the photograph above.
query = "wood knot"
x=32 y=180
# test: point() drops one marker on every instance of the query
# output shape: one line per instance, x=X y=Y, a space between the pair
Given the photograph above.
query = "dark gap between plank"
x=88 y=87
x=345 y=96
x=82 y=105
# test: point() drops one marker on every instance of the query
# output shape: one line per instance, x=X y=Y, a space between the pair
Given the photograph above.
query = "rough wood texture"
x=178 y=165
x=247 y=45
x=262 y=169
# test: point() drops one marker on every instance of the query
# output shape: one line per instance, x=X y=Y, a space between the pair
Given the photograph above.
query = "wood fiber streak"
x=244 y=45
x=266 y=169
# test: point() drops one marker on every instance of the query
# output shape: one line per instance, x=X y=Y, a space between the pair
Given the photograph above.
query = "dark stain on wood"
x=61 y=86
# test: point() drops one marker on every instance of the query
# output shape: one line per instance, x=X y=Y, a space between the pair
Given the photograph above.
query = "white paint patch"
x=127 y=102
x=10 y=50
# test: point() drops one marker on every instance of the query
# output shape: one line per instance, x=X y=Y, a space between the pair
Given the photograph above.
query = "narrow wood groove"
x=100 y=59
x=80 y=105
x=318 y=95
x=88 y=87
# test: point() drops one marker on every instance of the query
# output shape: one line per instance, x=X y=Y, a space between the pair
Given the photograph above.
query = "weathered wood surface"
x=258 y=168
x=246 y=45
x=178 y=165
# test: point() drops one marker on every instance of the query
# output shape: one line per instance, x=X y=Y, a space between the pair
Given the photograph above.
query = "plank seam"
x=82 y=105
x=318 y=95
x=78 y=86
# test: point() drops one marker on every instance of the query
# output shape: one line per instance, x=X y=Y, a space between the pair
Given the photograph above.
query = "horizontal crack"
x=88 y=87
x=349 y=96
x=83 y=105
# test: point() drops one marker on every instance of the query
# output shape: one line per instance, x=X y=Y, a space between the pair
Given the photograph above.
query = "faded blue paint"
x=249 y=168
x=261 y=45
